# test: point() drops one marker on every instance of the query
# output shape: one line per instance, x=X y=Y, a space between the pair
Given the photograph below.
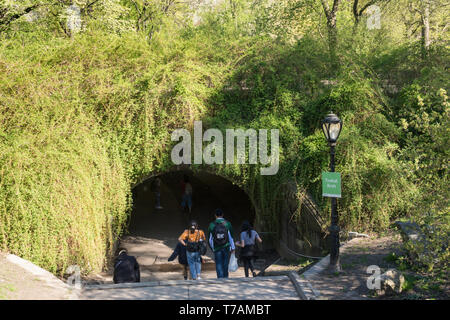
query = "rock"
x=412 y=233
x=391 y=282
x=352 y=235
x=409 y=231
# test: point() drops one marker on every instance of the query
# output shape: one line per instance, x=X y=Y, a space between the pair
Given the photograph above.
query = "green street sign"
x=331 y=184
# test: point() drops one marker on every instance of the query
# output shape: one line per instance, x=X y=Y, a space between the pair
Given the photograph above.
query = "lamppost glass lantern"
x=331 y=127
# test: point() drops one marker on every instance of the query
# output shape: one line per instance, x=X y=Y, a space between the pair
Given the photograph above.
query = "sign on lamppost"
x=331 y=184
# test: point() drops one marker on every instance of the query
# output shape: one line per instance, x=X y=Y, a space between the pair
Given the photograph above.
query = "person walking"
x=156 y=186
x=186 y=201
x=221 y=242
x=191 y=238
x=247 y=241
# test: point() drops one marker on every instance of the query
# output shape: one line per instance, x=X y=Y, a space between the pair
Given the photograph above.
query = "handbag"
x=248 y=250
x=196 y=246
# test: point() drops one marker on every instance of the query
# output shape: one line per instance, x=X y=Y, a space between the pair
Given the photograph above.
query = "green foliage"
x=85 y=116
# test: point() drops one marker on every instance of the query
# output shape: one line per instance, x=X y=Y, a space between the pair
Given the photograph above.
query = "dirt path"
x=355 y=257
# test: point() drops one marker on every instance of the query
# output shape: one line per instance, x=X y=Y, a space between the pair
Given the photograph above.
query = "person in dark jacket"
x=180 y=251
x=126 y=268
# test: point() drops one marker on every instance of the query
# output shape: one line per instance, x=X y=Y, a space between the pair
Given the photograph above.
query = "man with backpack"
x=221 y=242
x=126 y=268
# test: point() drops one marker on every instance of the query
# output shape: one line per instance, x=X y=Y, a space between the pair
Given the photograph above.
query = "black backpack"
x=220 y=234
x=126 y=269
x=192 y=246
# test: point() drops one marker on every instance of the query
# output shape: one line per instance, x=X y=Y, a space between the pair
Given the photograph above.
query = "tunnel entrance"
x=153 y=233
x=209 y=192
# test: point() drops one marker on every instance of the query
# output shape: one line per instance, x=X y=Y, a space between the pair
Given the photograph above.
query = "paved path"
x=263 y=288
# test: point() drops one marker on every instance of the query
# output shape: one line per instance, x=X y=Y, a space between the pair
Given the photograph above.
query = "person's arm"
x=211 y=242
x=257 y=237
x=209 y=235
x=182 y=237
x=232 y=246
x=241 y=243
x=230 y=228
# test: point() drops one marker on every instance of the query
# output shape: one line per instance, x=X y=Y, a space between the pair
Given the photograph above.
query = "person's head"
x=218 y=213
x=246 y=226
x=122 y=251
x=193 y=225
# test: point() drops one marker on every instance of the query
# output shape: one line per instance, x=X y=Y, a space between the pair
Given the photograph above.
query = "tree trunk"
x=332 y=30
x=332 y=41
x=426 y=29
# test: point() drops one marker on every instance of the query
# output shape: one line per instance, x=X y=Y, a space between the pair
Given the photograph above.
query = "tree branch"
x=326 y=8
x=7 y=21
x=335 y=6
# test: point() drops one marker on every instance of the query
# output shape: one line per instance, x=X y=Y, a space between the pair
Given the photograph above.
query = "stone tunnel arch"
x=152 y=233
x=211 y=191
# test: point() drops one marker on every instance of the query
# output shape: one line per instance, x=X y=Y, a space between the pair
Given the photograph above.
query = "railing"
x=312 y=208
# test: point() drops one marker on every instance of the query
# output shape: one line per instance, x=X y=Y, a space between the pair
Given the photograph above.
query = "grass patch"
x=5 y=289
x=410 y=281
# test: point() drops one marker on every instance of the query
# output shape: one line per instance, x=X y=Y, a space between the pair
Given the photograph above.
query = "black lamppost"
x=332 y=127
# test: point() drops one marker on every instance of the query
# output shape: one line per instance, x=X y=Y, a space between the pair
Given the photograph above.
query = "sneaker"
x=158 y=207
x=254 y=274
x=198 y=278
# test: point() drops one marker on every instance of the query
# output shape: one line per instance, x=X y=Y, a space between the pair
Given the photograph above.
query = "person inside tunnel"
x=186 y=188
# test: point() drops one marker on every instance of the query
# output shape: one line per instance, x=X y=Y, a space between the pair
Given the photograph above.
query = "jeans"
x=187 y=200
x=158 y=199
x=195 y=265
x=222 y=258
